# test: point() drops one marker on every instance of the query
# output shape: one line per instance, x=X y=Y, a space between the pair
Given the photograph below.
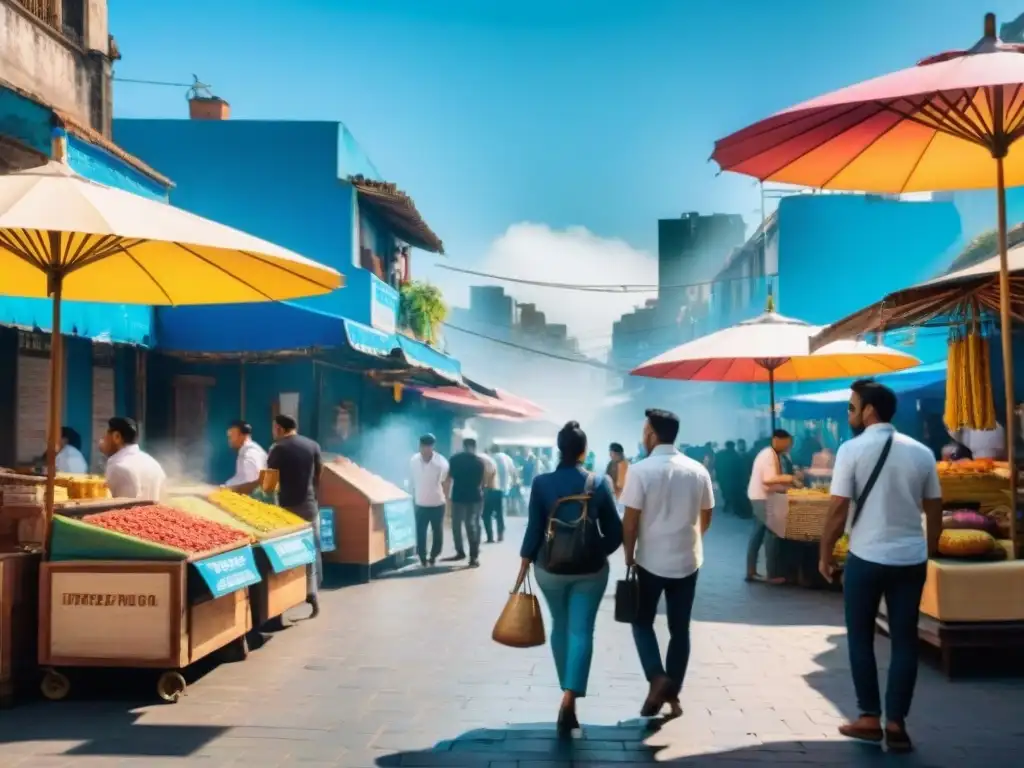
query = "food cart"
x=146 y=586
x=373 y=522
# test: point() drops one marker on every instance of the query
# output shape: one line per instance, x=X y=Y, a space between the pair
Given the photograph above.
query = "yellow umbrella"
x=65 y=237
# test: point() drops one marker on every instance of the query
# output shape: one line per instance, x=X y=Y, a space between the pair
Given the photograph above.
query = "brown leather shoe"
x=660 y=691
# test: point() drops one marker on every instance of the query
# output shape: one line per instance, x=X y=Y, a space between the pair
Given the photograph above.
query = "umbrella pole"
x=56 y=379
x=1006 y=331
x=771 y=395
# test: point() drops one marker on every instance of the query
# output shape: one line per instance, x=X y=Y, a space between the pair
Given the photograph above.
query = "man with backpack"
x=668 y=501
x=887 y=480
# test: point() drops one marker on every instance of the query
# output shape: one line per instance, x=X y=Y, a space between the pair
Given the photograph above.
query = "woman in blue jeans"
x=573 y=600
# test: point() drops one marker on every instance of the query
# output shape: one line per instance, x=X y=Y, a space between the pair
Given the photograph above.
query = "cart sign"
x=400 y=522
x=327 y=530
x=290 y=551
x=228 y=572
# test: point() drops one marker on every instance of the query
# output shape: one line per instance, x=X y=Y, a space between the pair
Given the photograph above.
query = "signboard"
x=290 y=551
x=228 y=572
x=94 y=612
x=400 y=523
x=383 y=306
x=327 y=530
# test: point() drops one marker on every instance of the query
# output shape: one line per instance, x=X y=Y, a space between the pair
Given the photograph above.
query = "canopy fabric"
x=771 y=342
x=463 y=397
x=924 y=381
x=108 y=245
x=934 y=300
x=924 y=128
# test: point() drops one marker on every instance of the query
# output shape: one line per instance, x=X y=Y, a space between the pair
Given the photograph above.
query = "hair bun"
x=571 y=425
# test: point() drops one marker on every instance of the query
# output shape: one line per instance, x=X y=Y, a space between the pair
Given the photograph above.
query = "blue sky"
x=563 y=113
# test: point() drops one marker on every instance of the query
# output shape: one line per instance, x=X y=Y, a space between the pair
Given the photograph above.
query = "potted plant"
x=422 y=309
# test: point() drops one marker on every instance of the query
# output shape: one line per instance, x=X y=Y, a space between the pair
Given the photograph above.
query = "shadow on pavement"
x=633 y=744
x=418 y=572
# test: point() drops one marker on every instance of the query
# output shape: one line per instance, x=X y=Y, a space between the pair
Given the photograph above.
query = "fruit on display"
x=83 y=486
x=198 y=507
x=969 y=401
x=168 y=526
x=969 y=520
x=71 y=539
x=964 y=543
x=263 y=517
x=967 y=467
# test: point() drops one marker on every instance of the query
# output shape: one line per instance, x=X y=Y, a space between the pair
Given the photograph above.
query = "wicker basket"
x=797 y=518
x=987 y=490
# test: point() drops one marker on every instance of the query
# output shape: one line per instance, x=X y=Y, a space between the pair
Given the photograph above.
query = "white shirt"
x=428 y=479
x=766 y=466
x=134 y=474
x=670 y=490
x=890 y=528
x=984 y=443
x=250 y=460
x=491 y=478
x=506 y=471
x=70 y=459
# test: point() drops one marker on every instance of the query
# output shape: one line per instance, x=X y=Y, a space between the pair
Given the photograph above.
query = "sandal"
x=864 y=728
x=897 y=740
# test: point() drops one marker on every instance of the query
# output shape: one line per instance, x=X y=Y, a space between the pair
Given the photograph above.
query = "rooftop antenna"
x=199 y=90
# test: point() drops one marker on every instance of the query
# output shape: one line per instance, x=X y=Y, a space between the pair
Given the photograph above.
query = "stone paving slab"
x=402 y=672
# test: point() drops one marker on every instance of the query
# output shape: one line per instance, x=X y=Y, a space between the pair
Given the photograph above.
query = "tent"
x=921 y=382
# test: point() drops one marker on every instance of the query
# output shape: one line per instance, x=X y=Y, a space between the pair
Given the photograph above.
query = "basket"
x=986 y=490
x=796 y=518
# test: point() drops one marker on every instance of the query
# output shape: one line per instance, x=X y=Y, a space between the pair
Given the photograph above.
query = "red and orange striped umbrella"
x=951 y=122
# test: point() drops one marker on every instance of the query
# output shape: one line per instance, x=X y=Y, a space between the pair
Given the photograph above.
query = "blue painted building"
x=333 y=359
x=104 y=343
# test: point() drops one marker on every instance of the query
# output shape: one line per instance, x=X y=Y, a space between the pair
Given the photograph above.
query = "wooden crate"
x=357 y=499
x=797 y=518
x=19 y=584
x=277 y=593
x=131 y=614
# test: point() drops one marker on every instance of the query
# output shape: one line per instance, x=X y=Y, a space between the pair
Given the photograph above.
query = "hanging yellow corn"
x=952 y=416
x=983 y=412
x=969 y=399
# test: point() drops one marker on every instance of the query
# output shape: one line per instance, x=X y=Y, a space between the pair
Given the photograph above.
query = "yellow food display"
x=265 y=518
x=198 y=507
x=842 y=548
x=965 y=543
x=969 y=401
x=808 y=493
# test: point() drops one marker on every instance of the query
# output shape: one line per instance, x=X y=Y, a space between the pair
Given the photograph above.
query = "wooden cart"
x=374 y=521
x=142 y=614
x=19 y=581
x=282 y=562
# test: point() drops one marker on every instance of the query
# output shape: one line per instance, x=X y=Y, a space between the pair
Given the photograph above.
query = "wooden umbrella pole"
x=55 y=287
x=771 y=395
x=1006 y=331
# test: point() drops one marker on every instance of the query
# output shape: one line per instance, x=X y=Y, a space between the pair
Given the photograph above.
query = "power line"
x=584 y=361
x=623 y=288
x=152 y=82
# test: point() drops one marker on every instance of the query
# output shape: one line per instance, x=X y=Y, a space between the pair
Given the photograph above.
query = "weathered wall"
x=40 y=60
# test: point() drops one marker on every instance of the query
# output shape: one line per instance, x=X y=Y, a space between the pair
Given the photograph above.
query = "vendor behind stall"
x=69 y=457
x=983 y=443
x=251 y=459
x=131 y=472
x=771 y=473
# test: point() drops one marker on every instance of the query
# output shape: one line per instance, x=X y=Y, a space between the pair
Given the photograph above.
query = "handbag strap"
x=872 y=479
x=582 y=498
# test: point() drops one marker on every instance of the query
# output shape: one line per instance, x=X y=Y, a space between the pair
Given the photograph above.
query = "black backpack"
x=573 y=549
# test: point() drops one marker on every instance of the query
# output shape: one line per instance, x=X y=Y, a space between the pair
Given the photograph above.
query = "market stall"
x=284 y=544
x=373 y=521
x=145 y=586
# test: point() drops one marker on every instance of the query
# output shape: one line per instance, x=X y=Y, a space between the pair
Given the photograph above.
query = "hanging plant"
x=422 y=310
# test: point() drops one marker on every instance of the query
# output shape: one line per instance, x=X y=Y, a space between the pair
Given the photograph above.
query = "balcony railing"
x=51 y=13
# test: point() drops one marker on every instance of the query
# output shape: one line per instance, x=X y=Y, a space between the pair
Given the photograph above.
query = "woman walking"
x=573 y=598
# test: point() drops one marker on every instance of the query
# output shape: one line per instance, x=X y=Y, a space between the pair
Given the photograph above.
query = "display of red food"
x=168 y=526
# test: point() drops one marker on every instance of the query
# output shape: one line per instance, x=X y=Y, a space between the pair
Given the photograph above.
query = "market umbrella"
x=771 y=348
x=64 y=237
x=951 y=122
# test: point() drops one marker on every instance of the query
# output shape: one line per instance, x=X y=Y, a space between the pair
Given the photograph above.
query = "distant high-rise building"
x=691 y=249
x=489 y=305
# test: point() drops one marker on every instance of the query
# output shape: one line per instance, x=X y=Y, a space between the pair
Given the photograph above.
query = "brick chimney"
x=208 y=108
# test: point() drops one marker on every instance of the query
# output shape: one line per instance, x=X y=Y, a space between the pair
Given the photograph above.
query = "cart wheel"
x=55 y=686
x=171 y=686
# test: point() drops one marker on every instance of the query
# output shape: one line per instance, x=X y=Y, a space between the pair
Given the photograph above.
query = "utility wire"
x=152 y=82
x=581 y=360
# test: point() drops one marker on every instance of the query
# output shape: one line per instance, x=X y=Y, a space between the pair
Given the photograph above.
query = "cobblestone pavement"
x=402 y=672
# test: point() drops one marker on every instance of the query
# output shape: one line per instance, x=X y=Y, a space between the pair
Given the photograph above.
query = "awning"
x=502 y=405
x=283 y=329
x=399 y=212
x=924 y=381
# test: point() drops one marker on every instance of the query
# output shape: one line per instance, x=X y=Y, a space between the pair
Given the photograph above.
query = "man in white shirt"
x=494 y=495
x=767 y=476
x=131 y=473
x=668 y=500
x=428 y=473
x=70 y=458
x=250 y=459
x=891 y=479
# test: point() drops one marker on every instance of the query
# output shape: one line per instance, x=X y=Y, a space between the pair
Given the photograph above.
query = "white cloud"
x=575 y=255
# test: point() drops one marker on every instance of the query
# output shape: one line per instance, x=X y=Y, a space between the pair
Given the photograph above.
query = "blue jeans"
x=679 y=594
x=573 y=602
x=864 y=585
